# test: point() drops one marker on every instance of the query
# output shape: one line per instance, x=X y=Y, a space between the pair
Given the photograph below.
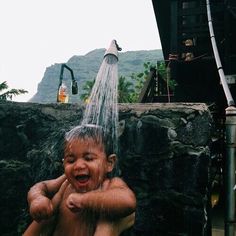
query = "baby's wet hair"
x=95 y=132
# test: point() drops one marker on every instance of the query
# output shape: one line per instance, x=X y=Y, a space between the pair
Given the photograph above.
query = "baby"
x=85 y=200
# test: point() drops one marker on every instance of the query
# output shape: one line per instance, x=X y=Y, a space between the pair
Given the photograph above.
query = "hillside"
x=86 y=68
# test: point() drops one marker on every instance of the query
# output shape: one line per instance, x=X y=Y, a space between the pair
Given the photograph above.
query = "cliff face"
x=164 y=157
x=86 y=68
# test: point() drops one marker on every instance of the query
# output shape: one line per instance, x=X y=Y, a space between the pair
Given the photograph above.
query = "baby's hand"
x=41 y=208
x=74 y=202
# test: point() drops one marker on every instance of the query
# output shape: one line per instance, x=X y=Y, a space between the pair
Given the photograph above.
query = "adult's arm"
x=39 y=198
x=114 y=228
x=45 y=188
x=41 y=228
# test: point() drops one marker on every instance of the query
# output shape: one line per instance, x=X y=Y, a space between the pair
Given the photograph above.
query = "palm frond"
x=10 y=93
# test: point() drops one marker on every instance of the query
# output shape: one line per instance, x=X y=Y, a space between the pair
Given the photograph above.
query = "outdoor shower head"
x=113 y=49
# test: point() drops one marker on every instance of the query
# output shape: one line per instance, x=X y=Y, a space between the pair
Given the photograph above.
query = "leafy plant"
x=8 y=95
x=140 y=78
x=125 y=90
x=87 y=88
x=130 y=89
x=164 y=71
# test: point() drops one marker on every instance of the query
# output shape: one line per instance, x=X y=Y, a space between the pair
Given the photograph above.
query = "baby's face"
x=85 y=164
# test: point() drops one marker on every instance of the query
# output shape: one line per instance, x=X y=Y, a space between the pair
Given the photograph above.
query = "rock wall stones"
x=30 y=150
x=164 y=157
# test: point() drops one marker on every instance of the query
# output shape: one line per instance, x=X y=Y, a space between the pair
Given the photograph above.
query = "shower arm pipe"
x=74 y=86
x=229 y=98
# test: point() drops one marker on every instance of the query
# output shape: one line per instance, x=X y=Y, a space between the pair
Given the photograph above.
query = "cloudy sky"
x=38 y=33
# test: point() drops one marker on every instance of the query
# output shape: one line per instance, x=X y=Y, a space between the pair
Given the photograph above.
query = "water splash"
x=102 y=109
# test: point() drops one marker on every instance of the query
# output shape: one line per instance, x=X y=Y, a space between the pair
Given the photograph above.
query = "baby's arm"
x=39 y=198
x=114 y=200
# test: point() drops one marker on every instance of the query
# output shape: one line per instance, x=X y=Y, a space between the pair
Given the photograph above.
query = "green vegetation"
x=87 y=89
x=130 y=88
x=164 y=71
x=125 y=90
x=139 y=79
x=8 y=95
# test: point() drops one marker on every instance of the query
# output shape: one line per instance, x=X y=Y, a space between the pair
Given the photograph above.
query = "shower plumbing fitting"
x=113 y=49
x=62 y=93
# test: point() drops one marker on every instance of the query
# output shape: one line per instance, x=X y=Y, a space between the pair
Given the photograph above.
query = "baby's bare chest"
x=74 y=223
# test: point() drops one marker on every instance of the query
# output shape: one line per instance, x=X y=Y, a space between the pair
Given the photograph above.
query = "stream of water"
x=102 y=108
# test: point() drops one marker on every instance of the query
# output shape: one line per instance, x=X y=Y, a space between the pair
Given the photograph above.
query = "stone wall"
x=164 y=157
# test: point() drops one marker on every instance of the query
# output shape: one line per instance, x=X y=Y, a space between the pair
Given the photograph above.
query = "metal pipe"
x=230 y=171
x=224 y=83
x=230 y=123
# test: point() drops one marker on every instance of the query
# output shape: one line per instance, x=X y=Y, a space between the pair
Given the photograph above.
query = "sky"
x=36 y=34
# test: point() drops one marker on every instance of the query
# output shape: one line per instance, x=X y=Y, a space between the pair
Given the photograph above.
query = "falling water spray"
x=102 y=108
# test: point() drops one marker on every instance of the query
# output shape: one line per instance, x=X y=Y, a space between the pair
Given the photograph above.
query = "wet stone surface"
x=164 y=157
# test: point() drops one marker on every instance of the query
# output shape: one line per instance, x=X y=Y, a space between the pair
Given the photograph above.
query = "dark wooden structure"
x=187 y=49
x=188 y=53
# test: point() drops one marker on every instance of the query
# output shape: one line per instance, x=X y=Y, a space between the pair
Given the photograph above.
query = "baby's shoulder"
x=114 y=182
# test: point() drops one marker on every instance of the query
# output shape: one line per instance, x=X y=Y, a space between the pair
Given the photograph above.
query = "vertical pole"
x=174 y=27
x=230 y=170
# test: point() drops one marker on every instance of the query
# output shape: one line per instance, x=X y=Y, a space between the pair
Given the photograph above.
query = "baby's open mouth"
x=82 y=178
